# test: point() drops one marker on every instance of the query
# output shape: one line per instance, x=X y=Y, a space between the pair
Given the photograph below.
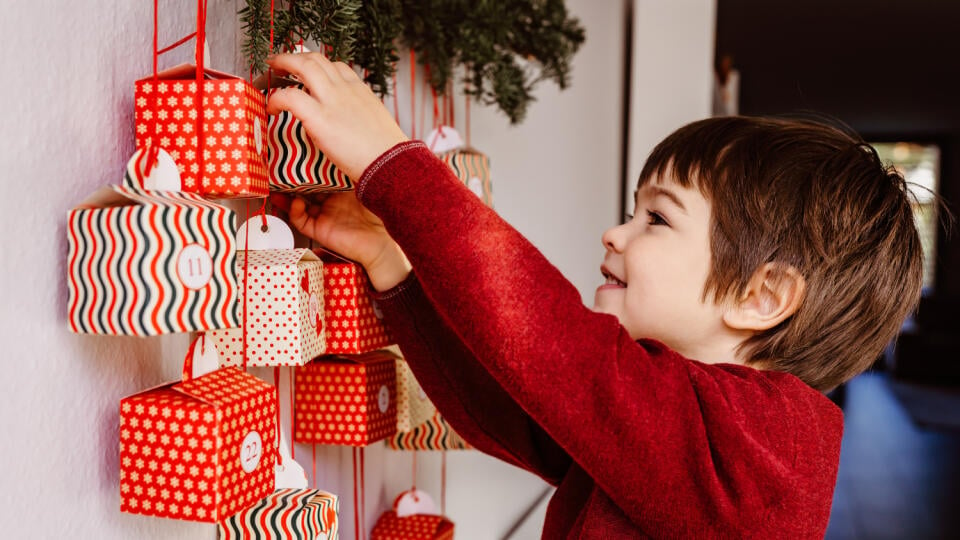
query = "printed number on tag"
x=250 y=451
x=194 y=266
x=383 y=399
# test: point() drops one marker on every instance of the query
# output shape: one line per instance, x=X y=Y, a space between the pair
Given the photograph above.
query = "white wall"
x=67 y=129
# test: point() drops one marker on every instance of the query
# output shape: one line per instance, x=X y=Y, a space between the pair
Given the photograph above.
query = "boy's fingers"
x=345 y=71
x=313 y=69
x=294 y=100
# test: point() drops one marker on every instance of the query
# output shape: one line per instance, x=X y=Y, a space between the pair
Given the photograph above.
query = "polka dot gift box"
x=199 y=450
x=284 y=310
x=413 y=405
x=346 y=400
x=219 y=143
x=352 y=320
x=143 y=263
x=413 y=527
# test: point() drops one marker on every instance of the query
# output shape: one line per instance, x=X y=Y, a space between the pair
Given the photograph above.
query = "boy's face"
x=655 y=269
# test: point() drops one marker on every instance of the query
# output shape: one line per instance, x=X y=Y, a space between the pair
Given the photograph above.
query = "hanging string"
x=466 y=112
x=363 y=502
x=276 y=387
x=198 y=56
x=413 y=93
x=356 y=505
x=246 y=261
x=443 y=483
x=450 y=105
x=153 y=149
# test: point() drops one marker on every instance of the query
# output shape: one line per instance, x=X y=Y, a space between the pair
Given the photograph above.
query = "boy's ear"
x=773 y=294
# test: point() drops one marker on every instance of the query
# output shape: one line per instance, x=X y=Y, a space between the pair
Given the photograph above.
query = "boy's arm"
x=461 y=388
x=654 y=430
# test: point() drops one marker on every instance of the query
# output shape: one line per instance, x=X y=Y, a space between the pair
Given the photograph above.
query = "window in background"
x=920 y=165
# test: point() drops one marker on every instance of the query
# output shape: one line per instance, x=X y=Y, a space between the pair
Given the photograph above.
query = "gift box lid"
x=276 y=257
x=230 y=386
x=415 y=527
x=118 y=195
x=189 y=71
x=364 y=359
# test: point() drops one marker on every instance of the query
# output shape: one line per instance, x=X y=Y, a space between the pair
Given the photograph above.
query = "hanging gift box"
x=469 y=165
x=294 y=162
x=390 y=526
x=198 y=450
x=215 y=132
x=285 y=514
x=283 y=300
x=144 y=263
x=434 y=434
x=413 y=405
x=353 y=322
x=346 y=400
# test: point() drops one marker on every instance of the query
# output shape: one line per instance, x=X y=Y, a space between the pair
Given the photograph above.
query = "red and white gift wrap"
x=294 y=162
x=308 y=514
x=233 y=130
x=144 y=263
x=353 y=322
x=342 y=400
x=415 y=527
x=200 y=450
x=413 y=405
x=434 y=434
x=284 y=310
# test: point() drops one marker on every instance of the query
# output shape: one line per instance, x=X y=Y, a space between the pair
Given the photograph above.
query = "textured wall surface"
x=69 y=69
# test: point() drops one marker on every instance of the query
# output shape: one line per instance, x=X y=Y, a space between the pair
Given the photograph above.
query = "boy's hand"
x=343 y=116
x=341 y=224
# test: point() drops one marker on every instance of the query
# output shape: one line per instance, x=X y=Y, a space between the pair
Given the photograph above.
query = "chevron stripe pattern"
x=144 y=263
x=286 y=514
x=294 y=161
x=434 y=434
x=473 y=169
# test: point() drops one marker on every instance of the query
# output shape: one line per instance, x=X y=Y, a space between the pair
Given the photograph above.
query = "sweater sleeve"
x=657 y=432
x=470 y=399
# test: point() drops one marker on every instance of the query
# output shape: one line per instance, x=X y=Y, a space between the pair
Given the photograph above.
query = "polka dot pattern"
x=234 y=127
x=415 y=527
x=181 y=447
x=284 y=321
x=345 y=400
x=353 y=322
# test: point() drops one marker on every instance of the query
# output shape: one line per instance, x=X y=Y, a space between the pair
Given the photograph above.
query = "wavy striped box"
x=473 y=169
x=217 y=138
x=144 y=263
x=353 y=323
x=434 y=434
x=294 y=162
x=284 y=310
x=200 y=450
x=413 y=405
x=415 y=527
x=308 y=514
x=345 y=400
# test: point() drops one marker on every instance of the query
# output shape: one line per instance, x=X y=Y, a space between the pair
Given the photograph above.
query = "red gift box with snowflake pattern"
x=353 y=322
x=230 y=123
x=200 y=450
x=415 y=527
x=346 y=400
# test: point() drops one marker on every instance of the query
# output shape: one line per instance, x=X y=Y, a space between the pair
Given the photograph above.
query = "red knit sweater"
x=640 y=441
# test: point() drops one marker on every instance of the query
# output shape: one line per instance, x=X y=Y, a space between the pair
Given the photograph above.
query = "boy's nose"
x=614 y=238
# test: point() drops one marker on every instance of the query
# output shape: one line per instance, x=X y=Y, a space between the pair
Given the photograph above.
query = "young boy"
x=768 y=261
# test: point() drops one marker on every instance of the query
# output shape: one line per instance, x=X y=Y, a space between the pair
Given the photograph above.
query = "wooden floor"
x=897 y=480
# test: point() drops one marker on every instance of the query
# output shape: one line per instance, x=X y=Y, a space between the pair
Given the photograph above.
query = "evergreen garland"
x=507 y=47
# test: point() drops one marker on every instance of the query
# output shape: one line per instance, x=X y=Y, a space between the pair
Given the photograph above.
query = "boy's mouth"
x=611 y=279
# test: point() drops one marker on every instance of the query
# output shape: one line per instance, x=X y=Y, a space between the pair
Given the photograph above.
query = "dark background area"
x=891 y=70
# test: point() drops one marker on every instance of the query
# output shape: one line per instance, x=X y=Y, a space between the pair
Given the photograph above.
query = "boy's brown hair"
x=817 y=198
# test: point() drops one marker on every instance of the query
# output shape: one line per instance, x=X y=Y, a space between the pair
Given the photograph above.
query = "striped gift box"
x=284 y=305
x=233 y=130
x=199 y=450
x=294 y=162
x=307 y=514
x=413 y=405
x=144 y=263
x=415 y=527
x=345 y=400
x=353 y=323
x=473 y=169
x=434 y=434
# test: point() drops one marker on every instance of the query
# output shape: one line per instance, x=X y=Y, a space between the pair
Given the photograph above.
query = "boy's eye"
x=655 y=218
